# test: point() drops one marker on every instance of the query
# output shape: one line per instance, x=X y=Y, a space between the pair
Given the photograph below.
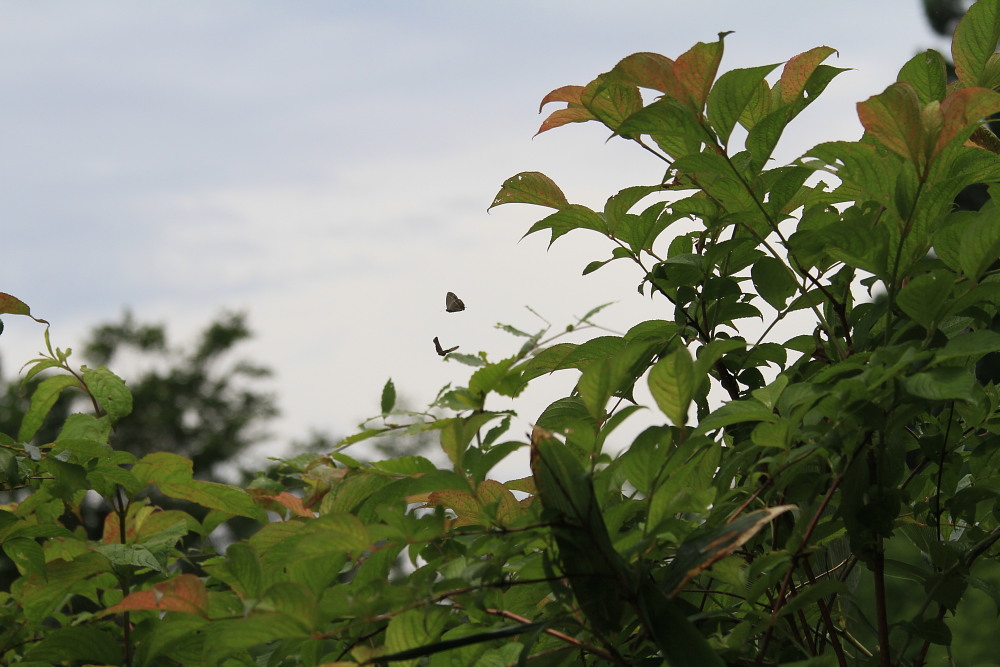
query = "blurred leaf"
x=388 y=397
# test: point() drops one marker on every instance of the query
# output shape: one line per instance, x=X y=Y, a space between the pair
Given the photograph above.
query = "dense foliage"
x=790 y=477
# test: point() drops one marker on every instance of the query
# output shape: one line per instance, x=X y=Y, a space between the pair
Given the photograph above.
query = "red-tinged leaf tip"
x=564 y=117
x=531 y=187
x=569 y=94
x=696 y=69
x=893 y=117
x=798 y=69
x=963 y=110
x=653 y=71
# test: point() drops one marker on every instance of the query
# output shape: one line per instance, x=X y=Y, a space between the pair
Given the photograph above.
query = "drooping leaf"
x=531 y=187
x=44 y=397
x=672 y=382
x=697 y=555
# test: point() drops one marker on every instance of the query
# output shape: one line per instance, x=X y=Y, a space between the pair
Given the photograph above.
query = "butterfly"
x=441 y=350
x=453 y=304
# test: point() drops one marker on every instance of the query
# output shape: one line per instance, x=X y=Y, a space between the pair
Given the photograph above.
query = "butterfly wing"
x=452 y=303
x=440 y=350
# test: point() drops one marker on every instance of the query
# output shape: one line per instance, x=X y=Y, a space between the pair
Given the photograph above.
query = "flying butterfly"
x=440 y=350
x=453 y=304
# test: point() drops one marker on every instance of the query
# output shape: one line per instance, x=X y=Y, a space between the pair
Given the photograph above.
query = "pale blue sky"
x=326 y=166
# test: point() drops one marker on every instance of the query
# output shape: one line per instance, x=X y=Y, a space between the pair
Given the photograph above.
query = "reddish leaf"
x=11 y=305
x=568 y=94
x=464 y=505
x=696 y=69
x=185 y=593
x=798 y=70
x=564 y=117
x=963 y=111
x=283 y=499
x=492 y=492
x=893 y=118
x=531 y=187
x=653 y=71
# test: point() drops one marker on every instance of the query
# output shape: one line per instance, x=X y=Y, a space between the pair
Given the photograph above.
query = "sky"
x=326 y=167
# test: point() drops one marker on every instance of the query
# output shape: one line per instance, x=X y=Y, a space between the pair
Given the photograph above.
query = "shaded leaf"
x=695 y=556
x=672 y=382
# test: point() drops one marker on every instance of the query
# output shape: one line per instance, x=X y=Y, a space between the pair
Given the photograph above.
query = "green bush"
x=824 y=493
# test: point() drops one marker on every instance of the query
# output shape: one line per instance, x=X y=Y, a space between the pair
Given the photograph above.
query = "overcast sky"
x=326 y=167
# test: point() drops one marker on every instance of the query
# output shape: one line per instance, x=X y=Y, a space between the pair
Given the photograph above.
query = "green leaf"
x=44 y=397
x=109 y=390
x=735 y=412
x=610 y=100
x=674 y=634
x=215 y=496
x=774 y=281
x=574 y=216
x=596 y=385
x=928 y=75
x=730 y=96
x=227 y=637
x=26 y=554
x=926 y=297
x=133 y=555
x=388 y=397
x=973 y=344
x=975 y=40
x=76 y=645
x=415 y=628
x=980 y=245
x=664 y=119
x=596 y=572
x=531 y=187
x=942 y=384
x=672 y=382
